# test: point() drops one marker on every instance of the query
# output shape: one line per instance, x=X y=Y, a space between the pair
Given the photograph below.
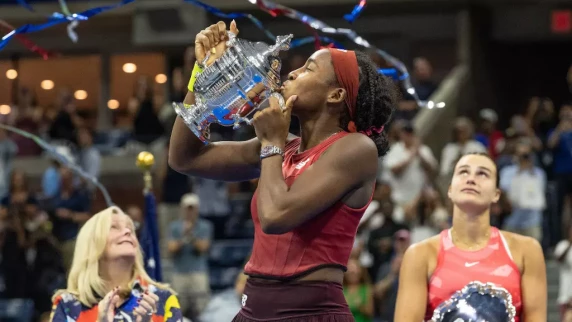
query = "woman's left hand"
x=147 y=307
x=273 y=123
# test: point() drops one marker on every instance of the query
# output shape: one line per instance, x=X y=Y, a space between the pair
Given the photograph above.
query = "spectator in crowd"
x=189 y=242
x=167 y=114
x=51 y=181
x=358 y=292
x=488 y=134
x=146 y=125
x=46 y=271
x=72 y=206
x=430 y=215
x=525 y=131
x=67 y=120
x=14 y=242
x=463 y=143
x=387 y=278
x=506 y=157
x=525 y=187
x=27 y=117
x=564 y=257
x=423 y=81
x=380 y=241
x=214 y=195
x=174 y=186
x=411 y=165
x=540 y=116
x=8 y=150
x=89 y=157
x=225 y=305
x=560 y=141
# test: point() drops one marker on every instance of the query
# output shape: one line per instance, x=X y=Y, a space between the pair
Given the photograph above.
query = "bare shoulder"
x=424 y=250
x=523 y=248
x=355 y=147
x=521 y=243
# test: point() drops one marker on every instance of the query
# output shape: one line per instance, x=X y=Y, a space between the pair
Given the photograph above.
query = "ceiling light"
x=80 y=94
x=113 y=104
x=129 y=68
x=161 y=78
x=11 y=74
x=5 y=109
x=47 y=84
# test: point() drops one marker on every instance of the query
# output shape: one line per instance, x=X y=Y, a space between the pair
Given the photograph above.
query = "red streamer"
x=283 y=11
x=28 y=43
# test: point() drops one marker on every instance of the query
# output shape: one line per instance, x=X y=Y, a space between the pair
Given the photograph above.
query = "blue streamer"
x=56 y=19
x=237 y=15
x=391 y=72
x=310 y=40
x=26 y=5
x=351 y=17
x=276 y=9
x=233 y=15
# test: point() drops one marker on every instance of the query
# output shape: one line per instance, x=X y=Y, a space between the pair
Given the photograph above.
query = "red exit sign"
x=561 y=21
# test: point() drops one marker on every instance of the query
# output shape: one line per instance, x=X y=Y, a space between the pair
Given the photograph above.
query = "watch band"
x=270 y=150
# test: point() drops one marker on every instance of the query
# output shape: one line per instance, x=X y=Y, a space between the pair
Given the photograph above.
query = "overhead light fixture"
x=5 y=109
x=161 y=78
x=11 y=74
x=129 y=68
x=47 y=84
x=113 y=104
x=80 y=94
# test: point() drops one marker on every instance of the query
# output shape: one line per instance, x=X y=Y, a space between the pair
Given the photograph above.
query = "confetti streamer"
x=308 y=40
x=351 y=17
x=56 y=19
x=237 y=15
x=65 y=14
x=64 y=7
x=234 y=15
x=277 y=10
x=51 y=150
x=27 y=42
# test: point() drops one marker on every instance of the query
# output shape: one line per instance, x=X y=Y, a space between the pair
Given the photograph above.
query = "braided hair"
x=376 y=101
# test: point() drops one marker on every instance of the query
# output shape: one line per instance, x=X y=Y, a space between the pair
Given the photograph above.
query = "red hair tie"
x=372 y=130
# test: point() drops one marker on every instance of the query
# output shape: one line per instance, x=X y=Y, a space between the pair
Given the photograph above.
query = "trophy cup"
x=477 y=302
x=229 y=91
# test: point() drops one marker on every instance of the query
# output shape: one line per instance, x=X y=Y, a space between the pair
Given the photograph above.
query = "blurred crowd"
x=205 y=227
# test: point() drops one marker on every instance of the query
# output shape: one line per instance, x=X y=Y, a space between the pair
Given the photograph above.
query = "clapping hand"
x=147 y=306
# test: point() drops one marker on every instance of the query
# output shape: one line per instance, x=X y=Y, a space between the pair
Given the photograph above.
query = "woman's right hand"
x=106 y=307
x=215 y=37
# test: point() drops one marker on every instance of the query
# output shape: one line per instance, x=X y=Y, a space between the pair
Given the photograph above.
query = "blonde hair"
x=84 y=280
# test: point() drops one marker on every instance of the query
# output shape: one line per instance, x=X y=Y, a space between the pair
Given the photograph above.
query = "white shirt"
x=565 y=289
x=408 y=185
x=453 y=151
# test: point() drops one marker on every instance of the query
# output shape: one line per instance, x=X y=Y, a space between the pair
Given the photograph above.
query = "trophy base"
x=186 y=114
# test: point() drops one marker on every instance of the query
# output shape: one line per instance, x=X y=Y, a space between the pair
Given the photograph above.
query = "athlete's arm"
x=533 y=281
x=347 y=165
x=412 y=292
x=230 y=161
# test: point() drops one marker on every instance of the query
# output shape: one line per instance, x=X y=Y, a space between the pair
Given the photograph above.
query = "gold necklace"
x=477 y=246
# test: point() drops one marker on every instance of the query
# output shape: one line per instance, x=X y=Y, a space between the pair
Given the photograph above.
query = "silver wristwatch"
x=269 y=151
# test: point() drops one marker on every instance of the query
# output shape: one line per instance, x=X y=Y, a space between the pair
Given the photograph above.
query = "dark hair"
x=486 y=155
x=376 y=102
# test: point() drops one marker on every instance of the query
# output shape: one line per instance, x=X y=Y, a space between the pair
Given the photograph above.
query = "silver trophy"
x=477 y=302
x=229 y=91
